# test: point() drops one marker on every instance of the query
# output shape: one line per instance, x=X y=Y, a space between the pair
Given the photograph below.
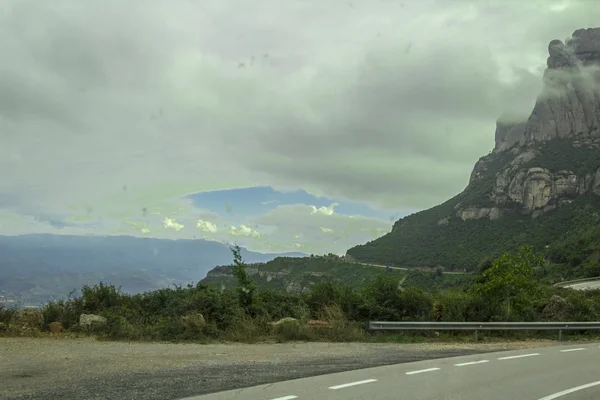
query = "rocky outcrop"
x=557 y=309
x=194 y=321
x=568 y=110
x=531 y=190
x=295 y=287
x=91 y=322
x=267 y=275
x=569 y=105
x=508 y=133
x=284 y=277
x=474 y=212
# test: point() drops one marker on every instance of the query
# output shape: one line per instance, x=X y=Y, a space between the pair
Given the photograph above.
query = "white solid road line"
x=519 y=356
x=286 y=398
x=471 y=363
x=419 y=371
x=567 y=350
x=569 y=391
x=345 y=385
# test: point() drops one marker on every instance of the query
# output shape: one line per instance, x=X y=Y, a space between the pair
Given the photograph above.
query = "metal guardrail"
x=567 y=283
x=483 y=326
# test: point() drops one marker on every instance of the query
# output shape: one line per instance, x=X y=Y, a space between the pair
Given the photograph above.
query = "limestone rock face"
x=569 y=105
x=91 y=322
x=508 y=134
x=533 y=190
x=568 y=109
x=284 y=277
x=474 y=212
x=557 y=309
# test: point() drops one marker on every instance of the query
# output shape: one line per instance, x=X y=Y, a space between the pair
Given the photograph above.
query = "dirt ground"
x=46 y=368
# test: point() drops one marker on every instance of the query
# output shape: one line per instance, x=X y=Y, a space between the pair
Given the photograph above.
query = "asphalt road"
x=565 y=373
x=591 y=285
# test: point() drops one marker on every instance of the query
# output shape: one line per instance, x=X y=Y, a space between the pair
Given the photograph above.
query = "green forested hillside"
x=419 y=240
x=438 y=237
x=300 y=274
x=577 y=255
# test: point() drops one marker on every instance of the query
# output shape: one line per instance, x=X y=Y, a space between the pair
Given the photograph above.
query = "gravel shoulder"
x=85 y=369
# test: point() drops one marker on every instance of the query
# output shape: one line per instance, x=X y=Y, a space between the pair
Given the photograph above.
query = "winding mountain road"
x=565 y=373
x=407 y=269
x=591 y=285
x=582 y=284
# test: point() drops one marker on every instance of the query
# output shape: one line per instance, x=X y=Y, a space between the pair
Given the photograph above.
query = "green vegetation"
x=560 y=155
x=418 y=240
x=295 y=274
x=421 y=239
x=284 y=272
x=510 y=281
x=577 y=255
x=436 y=281
x=504 y=289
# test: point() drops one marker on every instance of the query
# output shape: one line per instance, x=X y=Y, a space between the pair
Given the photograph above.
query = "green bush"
x=505 y=289
x=6 y=314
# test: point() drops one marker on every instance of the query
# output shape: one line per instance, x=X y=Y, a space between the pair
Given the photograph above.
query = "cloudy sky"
x=280 y=125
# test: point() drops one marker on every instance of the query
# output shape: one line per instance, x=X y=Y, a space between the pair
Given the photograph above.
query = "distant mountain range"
x=38 y=267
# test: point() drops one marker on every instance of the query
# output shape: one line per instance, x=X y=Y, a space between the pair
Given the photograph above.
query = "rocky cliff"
x=565 y=119
x=540 y=182
x=569 y=105
x=283 y=280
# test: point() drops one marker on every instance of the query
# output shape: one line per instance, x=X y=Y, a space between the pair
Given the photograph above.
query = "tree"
x=245 y=284
x=510 y=280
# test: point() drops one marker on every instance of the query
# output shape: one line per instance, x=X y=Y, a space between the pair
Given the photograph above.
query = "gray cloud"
x=385 y=102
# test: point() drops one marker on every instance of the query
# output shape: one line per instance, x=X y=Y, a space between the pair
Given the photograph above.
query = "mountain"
x=298 y=274
x=540 y=185
x=36 y=268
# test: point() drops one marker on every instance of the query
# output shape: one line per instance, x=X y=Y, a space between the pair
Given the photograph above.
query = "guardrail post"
x=476 y=335
x=560 y=335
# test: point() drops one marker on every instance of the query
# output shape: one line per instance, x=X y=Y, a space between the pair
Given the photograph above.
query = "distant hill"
x=297 y=275
x=36 y=268
x=540 y=185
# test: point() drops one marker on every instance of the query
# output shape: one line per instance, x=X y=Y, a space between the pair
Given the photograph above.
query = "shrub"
x=505 y=289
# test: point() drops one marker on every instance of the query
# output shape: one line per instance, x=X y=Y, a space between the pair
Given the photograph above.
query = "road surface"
x=407 y=269
x=590 y=285
x=564 y=373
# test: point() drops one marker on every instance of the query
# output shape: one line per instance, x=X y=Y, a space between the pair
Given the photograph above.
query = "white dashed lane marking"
x=519 y=356
x=471 y=363
x=345 y=385
x=464 y=364
x=420 y=371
